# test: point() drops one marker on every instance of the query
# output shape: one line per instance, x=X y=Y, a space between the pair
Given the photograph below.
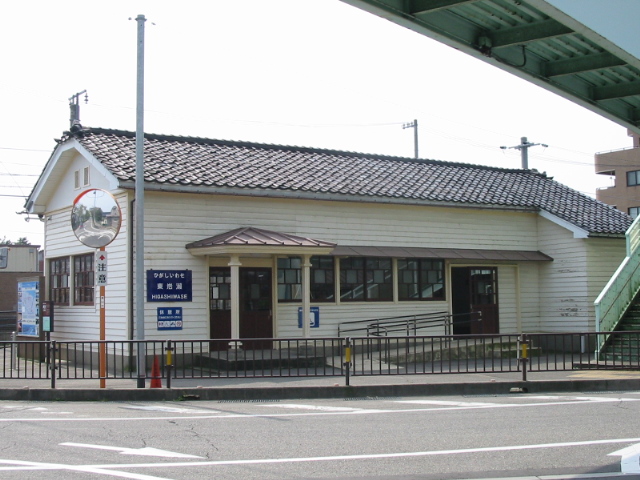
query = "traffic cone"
x=156 y=379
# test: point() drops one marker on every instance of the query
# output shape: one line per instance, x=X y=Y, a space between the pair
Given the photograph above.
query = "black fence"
x=319 y=357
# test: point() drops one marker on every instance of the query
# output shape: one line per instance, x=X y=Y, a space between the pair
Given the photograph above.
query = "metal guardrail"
x=321 y=357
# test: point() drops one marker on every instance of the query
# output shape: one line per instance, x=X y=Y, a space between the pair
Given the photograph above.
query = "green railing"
x=620 y=291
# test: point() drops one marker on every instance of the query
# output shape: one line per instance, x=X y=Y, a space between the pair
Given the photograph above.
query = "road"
x=590 y=436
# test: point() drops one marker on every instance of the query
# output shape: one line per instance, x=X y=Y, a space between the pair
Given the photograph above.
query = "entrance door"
x=474 y=290
x=255 y=306
x=220 y=306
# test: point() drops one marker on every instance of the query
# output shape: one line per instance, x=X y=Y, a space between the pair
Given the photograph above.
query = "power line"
x=24 y=149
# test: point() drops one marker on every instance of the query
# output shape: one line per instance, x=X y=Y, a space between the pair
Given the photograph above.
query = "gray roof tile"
x=243 y=165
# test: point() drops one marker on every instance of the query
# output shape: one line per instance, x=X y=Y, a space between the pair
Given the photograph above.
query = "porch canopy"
x=249 y=241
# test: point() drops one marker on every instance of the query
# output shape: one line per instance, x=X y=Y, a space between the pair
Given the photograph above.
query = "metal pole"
x=103 y=335
x=415 y=137
x=413 y=125
x=524 y=151
x=14 y=351
x=139 y=211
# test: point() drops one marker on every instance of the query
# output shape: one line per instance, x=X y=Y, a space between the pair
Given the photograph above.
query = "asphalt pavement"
x=323 y=387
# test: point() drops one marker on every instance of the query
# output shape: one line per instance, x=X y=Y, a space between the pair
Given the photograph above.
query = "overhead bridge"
x=582 y=50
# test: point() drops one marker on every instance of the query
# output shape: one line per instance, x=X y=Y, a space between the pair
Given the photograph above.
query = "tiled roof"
x=216 y=164
x=256 y=236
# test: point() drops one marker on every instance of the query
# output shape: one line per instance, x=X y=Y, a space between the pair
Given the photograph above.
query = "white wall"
x=173 y=220
x=553 y=296
x=570 y=284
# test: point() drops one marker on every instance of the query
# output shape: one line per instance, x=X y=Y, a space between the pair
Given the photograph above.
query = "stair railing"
x=623 y=286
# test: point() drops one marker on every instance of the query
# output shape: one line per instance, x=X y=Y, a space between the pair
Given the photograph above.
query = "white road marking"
x=34 y=466
x=630 y=461
x=30 y=409
x=166 y=409
x=224 y=416
x=585 y=399
x=103 y=468
x=147 y=451
x=297 y=406
x=449 y=403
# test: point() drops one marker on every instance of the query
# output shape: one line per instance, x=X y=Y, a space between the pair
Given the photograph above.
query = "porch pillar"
x=234 y=264
x=306 y=295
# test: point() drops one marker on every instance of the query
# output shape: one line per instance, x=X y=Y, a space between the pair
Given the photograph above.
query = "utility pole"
x=524 y=150
x=74 y=106
x=413 y=125
x=139 y=210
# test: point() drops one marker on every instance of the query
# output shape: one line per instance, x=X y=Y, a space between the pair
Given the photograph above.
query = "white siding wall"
x=530 y=297
x=554 y=296
x=332 y=315
x=173 y=220
x=569 y=285
x=604 y=256
x=507 y=299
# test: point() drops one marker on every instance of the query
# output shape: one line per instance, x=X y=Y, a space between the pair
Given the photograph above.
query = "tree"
x=20 y=241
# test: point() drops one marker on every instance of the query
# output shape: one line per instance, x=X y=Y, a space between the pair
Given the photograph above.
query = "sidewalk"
x=275 y=388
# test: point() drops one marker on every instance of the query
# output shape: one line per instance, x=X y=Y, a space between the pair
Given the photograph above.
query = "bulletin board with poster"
x=28 y=312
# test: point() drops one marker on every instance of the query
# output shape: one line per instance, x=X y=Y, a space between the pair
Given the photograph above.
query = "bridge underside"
x=533 y=40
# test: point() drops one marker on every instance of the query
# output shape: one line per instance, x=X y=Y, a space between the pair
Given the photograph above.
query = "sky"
x=314 y=73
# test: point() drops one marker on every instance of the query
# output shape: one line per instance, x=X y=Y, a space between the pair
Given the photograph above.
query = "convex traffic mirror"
x=95 y=218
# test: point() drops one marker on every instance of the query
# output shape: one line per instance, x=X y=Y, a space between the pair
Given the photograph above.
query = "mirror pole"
x=103 y=335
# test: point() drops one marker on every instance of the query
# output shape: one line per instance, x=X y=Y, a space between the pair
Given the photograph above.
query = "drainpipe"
x=306 y=295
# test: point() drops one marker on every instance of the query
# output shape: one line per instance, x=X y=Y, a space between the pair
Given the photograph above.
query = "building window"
x=323 y=284
x=4 y=257
x=220 y=285
x=633 y=178
x=85 y=176
x=289 y=279
x=420 y=279
x=366 y=279
x=59 y=280
x=633 y=211
x=83 y=279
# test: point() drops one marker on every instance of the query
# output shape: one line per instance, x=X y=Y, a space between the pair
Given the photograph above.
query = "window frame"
x=364 y=277
x=84 y=279
x=59 y=278
x=319 y=289
x=290 y=287
x=421 y=283
x=633 y=210
x=633 y=178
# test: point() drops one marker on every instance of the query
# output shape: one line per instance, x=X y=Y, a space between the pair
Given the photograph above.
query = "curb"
x=318 y=392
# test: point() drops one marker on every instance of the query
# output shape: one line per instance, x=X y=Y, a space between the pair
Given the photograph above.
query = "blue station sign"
x=169 y=286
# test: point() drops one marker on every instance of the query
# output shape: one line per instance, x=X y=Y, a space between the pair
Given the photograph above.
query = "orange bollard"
x=156 y=379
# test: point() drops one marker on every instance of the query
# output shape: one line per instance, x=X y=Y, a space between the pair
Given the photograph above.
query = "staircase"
x=625 y=348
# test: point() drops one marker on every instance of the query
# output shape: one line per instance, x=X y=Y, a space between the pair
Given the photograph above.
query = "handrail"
x=434 y=316
x=405 y=323
x=623 y=286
